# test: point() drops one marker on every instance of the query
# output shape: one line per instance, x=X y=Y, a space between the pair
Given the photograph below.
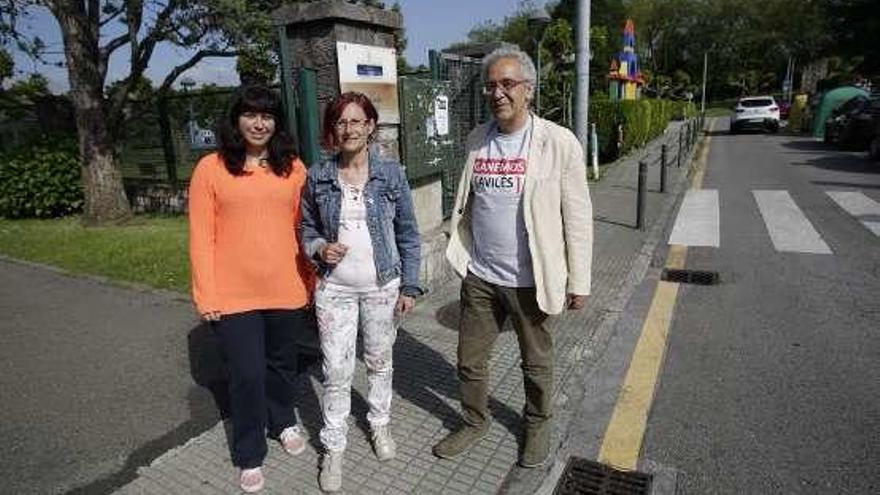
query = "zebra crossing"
x=698 y=221
x=789 y=228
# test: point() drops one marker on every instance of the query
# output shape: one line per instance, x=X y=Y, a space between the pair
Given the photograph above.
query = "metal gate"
x=427 y=147
x=466 y=110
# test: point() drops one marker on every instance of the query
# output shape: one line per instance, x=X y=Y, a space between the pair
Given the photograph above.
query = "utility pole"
x=785 y=80
x=705 y=70
x=582 y=78
x=787 y=85
x=537 y=22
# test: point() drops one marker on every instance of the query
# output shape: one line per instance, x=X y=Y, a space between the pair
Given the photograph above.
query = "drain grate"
x=583 y=477
x=699 y=277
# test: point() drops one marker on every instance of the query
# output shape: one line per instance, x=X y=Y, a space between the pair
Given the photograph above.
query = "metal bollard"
x=691 y=128
x=678 y=155
x=690 y=136
x=663 y=168
x=642 y=195
x=594 y=150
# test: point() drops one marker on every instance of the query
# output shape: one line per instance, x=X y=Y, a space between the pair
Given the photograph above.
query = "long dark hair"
x=231 y=144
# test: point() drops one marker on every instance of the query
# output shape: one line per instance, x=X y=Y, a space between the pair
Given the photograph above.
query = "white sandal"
x=292 y=440
x=251 y=480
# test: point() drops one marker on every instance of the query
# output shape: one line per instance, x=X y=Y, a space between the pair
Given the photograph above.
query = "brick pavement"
x=425 y=402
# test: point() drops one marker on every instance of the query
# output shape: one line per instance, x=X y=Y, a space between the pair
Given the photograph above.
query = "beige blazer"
x=557 y=210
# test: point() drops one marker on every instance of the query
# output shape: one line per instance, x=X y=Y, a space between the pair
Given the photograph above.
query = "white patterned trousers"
x=339 y=312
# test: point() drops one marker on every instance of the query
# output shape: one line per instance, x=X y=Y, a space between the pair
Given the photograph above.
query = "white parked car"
x=755 y=112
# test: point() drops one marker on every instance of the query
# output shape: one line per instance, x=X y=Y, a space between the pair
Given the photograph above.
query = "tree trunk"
x=105 y=200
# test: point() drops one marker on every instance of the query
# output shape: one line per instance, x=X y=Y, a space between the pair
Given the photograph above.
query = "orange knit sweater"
x=244 y=239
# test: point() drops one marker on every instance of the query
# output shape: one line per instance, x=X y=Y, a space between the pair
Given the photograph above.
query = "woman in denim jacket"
x=359 y=228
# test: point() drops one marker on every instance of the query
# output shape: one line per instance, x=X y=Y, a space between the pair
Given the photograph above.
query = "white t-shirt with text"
x=501 y=249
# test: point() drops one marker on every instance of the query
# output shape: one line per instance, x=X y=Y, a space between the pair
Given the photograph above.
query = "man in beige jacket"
x=521 y=239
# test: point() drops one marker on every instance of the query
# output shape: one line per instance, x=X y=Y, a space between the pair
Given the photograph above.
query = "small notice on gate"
x=441 y=115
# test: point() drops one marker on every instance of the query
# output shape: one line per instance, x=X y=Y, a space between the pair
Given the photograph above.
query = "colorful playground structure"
x=625 y=78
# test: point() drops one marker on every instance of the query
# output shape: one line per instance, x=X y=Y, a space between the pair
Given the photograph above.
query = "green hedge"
x=624 y=125
x=41 y=181
x=607 y=115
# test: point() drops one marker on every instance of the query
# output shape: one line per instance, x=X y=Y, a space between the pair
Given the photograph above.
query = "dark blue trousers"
x=260 y=349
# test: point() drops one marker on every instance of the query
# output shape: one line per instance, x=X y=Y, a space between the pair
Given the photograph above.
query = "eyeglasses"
x=341 y=125
x=489 y=87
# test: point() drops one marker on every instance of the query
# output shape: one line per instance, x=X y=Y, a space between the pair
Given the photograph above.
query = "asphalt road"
x=95 y=380
x=771 y=383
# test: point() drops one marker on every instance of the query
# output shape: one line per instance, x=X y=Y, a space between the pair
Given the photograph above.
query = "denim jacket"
x=390 y=218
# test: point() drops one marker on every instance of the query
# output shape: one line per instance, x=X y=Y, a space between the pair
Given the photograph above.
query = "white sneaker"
x=383 y=445
x=292 y=440
x=251 y=480
x=330 y=478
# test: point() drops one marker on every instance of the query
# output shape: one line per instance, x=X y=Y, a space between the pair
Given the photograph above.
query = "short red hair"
x=334 y=111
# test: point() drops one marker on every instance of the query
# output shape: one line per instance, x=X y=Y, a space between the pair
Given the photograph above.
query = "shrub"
x=606 y=114
x=41 y=181
x=683 y=109
x=624 y=125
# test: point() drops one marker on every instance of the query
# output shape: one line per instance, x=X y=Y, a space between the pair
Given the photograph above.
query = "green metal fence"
x=466 y=109
x=427 y=147
x=169 y=135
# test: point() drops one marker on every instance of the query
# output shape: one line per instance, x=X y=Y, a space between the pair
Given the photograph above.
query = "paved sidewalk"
x=426 y=396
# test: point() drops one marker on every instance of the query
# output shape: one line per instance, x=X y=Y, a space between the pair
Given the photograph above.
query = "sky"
x=428 y=24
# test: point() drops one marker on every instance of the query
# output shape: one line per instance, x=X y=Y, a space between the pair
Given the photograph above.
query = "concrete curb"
x=591 y=355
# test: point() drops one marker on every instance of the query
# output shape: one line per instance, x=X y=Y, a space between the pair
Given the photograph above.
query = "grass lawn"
x=152 y=251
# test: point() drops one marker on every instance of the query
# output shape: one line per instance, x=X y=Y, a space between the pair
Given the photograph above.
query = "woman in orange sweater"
x=248 y=276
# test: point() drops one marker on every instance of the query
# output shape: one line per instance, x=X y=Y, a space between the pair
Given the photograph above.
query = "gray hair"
x=511 y=51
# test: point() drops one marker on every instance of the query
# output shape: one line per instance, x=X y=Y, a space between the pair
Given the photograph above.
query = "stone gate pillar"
x=313 y=31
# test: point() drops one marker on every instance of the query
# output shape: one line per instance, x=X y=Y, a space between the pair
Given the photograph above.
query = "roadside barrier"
x=687 y=139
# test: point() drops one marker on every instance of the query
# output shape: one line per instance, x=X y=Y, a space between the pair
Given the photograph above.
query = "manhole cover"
x=699 y=277
x=583 y=477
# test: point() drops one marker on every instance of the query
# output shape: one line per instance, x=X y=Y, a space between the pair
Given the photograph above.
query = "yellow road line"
x=626 y=430
x=623 y=438
x=677 y=256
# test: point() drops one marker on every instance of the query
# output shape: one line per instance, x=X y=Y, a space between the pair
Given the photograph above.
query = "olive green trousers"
x=484 y=309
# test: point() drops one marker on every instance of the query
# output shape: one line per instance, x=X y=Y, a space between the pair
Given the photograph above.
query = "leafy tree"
x=17 y=101
x=749 y=42
x=93 y=30
x=30 y=102
x=32 y=88
x=607 y=19
x=853 y=26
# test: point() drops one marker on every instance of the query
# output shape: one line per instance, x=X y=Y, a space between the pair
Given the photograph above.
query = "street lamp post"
x=187 y=83
x=537 y=22
x=703 y=91
x=582 y=125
